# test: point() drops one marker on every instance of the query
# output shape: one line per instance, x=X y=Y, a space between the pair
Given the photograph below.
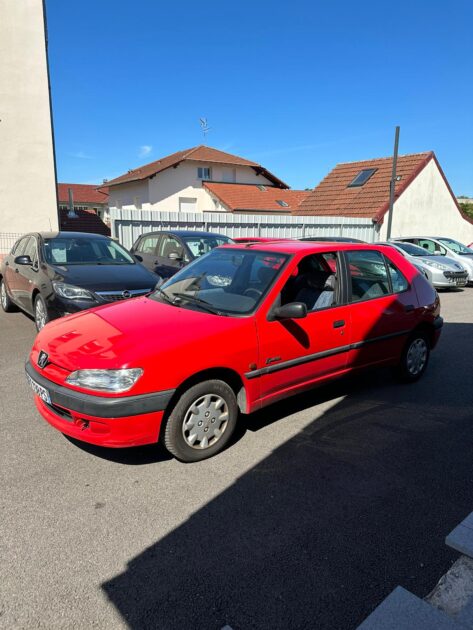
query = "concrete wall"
x=163 y=191
x=427 y=208
x=27 y=180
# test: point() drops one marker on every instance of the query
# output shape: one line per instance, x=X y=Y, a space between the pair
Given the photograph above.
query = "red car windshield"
x=225 y=281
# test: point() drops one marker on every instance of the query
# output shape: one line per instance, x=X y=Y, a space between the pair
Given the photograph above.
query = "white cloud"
x=145 y=150
x=80 y=155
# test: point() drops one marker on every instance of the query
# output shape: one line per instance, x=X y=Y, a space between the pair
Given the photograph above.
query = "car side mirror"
x=174 y=256
x=23 y=260
x=138 y=257
x=293 y=310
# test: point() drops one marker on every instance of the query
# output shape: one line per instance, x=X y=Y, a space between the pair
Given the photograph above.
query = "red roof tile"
x=333 y=197
x=196 y=154
x=82 y=193
x=247 y=197
x=86 y=221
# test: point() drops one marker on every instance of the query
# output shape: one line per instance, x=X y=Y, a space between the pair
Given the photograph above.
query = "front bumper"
x=449 y=279
x=114 y=422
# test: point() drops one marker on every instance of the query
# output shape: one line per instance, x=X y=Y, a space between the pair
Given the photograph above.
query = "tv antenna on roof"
x=204 y=126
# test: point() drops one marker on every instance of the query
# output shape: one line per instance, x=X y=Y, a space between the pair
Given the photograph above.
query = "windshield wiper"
x=205 y=305
x=165 y=296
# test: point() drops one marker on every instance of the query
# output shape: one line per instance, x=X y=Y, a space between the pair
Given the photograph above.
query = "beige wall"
x=426 y=208
x=27 y=184
x=163 y=191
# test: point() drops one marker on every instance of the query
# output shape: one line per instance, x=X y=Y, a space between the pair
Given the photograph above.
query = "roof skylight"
x=282 y=203
x=362 y=177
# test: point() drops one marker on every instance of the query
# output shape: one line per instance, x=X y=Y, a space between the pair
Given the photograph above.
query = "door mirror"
x=293 y=310
x=23 y=260
x=175 y=256
x=138 y=257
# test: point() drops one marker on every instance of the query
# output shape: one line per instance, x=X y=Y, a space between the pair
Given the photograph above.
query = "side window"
x=398 y=281
x=369 y=276
x=427 y=245
x=19 y=247
x=169 y=244
x=31 y=250
x=315 y=282
x=147 y=245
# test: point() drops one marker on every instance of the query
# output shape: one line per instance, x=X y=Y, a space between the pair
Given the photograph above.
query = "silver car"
x=441 y=271
x=445 y=247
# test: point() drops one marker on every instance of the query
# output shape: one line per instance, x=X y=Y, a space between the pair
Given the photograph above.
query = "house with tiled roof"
x=254 y=198
x=182 y=182
x=424 y=203
x=90 y=206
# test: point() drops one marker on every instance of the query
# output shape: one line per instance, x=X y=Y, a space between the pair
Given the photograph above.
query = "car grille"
x=455 y=274
x=114 y=296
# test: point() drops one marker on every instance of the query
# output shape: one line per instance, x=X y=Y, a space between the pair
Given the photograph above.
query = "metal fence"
x=7 y=240
x=127 y=225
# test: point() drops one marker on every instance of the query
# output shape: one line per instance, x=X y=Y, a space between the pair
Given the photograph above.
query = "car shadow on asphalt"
x=321 y=530
x=134 y=456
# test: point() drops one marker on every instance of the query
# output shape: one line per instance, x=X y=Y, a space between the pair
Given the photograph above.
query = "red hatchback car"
x=180 y=364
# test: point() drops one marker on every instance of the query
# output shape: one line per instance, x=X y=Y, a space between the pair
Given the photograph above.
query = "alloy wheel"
x=3 y=296
x=40 y=314
x=205 y=421
x=417 y=356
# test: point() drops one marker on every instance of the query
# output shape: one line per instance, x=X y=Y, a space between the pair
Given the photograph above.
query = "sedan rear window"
x=85 y=251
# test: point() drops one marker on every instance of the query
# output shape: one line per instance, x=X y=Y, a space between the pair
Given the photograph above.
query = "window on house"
x=282 y=203
x=362 y=177
x=229 y=175
x=204 y=172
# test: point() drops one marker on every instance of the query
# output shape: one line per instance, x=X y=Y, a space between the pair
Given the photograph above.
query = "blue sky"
x=297 y=86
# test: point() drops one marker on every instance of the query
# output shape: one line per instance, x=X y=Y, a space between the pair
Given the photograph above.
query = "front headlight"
x=115 y=381
x=435 y=265
x=70 y=292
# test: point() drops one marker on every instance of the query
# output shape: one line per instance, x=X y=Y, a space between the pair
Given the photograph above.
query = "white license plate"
x=39 y=390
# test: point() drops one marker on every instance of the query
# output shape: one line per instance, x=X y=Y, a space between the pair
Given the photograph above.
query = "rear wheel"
x=415 y=357
x=41 y=316
x=7 y=304
x=202 y=421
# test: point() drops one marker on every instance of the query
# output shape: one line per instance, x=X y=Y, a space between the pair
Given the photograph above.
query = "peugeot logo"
x=126 y=294
x=43 y=359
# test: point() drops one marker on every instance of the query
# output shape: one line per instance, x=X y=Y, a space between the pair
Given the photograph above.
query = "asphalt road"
x=318 y=510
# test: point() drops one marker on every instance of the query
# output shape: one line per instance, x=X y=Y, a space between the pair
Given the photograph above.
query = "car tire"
x=40 y=311
x=7 y=305
x=201 y=422
x=415 y=357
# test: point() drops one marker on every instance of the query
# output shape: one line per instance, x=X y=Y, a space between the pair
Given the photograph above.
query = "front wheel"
x=41 y=316
x=7 y=304
x=415 y=357
x=202 y=421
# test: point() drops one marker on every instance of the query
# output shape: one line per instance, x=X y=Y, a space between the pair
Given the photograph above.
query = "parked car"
x=441 y=271
x=51 y=274
x=258 y=239
x=179 y=364
x=443 y=246
x=331 y=239
x=165 y=253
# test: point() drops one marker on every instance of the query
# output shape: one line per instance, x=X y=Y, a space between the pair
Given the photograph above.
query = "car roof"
x=62 y=234
x=332 y=239
x=295 y=247
x=184 y=233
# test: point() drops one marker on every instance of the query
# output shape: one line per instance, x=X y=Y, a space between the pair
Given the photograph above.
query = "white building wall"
x=163 y=191
x=426 y=208
x=27 y=179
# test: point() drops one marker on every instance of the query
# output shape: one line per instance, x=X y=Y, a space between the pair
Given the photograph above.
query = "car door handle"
x=409 y=308
x=339 y=323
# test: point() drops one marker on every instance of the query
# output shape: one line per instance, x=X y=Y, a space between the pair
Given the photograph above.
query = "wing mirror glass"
x=175 y=256
x=293 y=310
x=23 y=260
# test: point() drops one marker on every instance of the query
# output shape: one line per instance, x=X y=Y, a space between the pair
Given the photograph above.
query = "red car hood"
x=130 y=334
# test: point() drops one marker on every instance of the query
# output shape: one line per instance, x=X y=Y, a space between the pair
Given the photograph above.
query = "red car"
x=258 y=239
x=180 y=364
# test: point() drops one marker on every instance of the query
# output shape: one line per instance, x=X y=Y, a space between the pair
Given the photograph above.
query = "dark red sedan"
x=182 y=363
